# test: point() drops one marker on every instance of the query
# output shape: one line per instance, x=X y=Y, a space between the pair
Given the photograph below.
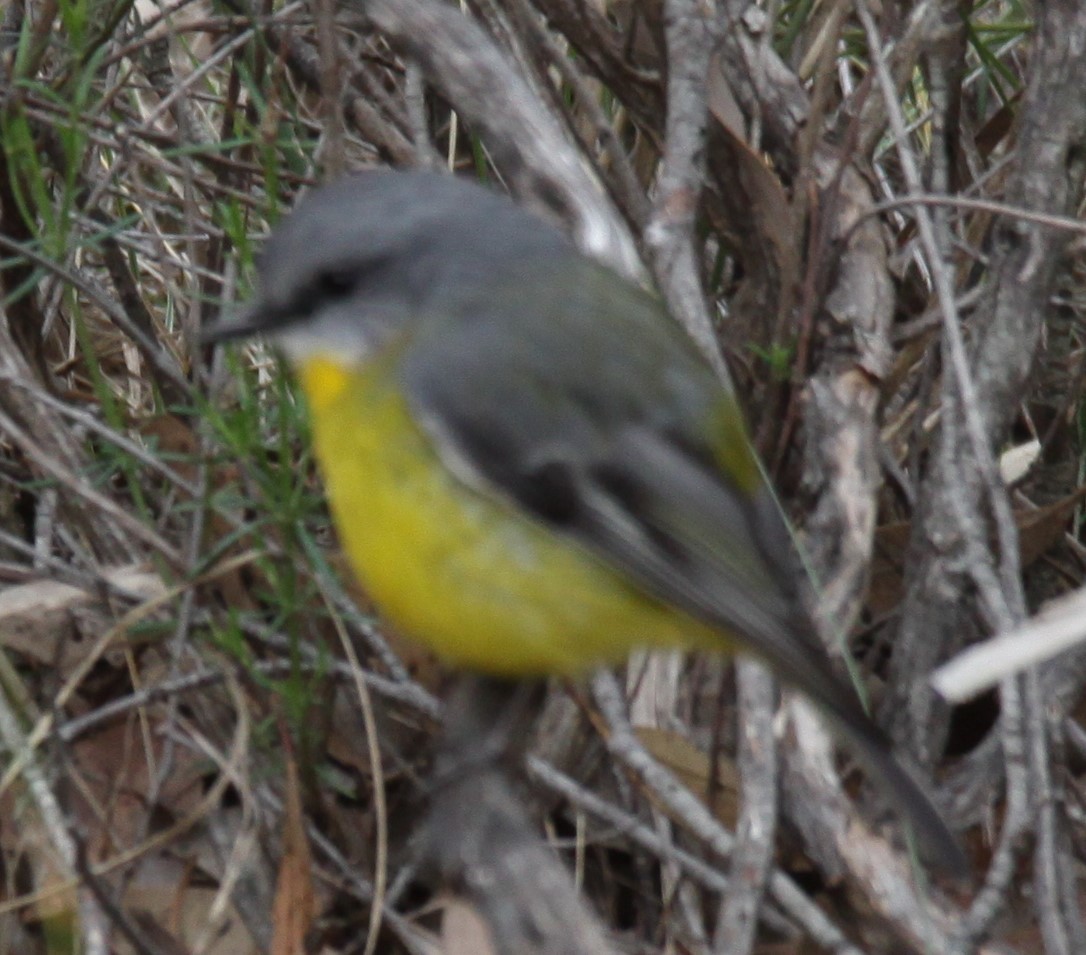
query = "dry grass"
x=208 y=748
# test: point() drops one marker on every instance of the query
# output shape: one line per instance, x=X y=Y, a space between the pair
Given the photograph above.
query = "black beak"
x=245 y=324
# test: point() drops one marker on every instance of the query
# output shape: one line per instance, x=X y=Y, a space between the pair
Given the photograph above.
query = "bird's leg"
x=484 y=844
x=488 y=723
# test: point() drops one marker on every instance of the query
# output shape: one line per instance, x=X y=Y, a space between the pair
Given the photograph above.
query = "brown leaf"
x=463 y=931
x=887 y=566
x=294 y=908
x=49 y=622
x=693 y=768
x=1039 y=530
x=753 y=214
x=998 y=127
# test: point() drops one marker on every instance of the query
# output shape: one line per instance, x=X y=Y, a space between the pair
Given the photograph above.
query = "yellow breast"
x=481 y=583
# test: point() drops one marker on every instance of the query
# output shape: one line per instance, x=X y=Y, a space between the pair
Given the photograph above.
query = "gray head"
x=357 y=258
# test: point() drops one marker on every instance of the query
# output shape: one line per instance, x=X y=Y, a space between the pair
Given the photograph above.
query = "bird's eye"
x=334 y=283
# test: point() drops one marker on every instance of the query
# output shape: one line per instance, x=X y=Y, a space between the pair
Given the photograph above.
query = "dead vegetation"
x=872 y=212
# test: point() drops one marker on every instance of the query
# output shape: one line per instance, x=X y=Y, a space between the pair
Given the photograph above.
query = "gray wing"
x=594 y=412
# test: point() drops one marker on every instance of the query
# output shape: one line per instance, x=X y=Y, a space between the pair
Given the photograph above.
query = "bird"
x=532 y=468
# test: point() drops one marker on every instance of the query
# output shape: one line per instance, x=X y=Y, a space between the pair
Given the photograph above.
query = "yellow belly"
x=482 y=584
